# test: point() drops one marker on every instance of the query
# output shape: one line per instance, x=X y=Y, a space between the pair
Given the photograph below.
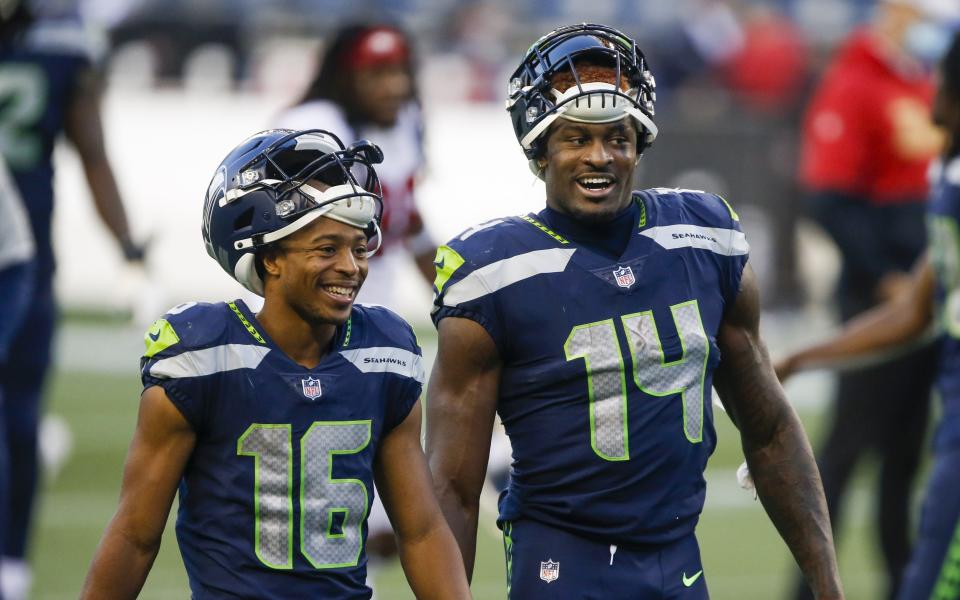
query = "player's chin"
x=332 y=308
x=600 y=210
x=331 y=315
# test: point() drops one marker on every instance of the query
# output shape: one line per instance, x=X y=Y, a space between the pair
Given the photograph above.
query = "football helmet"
x=277 y=182
x=533 y=102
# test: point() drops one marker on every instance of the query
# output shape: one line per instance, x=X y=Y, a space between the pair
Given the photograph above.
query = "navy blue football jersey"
x=38 y=73
x=944 y=225
x=274 y=499
x=607 y=363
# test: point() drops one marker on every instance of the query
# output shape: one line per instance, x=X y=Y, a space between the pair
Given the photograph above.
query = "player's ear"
x=266 y=261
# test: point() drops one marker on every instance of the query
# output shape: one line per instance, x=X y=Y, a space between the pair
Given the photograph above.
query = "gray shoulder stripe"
x=198 y=363
x=386 y=359
x=728 y=242
x=498 y=275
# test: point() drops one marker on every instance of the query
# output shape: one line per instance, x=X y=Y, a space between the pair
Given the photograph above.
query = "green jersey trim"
x=447 y=262
x=733 y=213
x=250 y=328
x=545 y=229
x=159 y=337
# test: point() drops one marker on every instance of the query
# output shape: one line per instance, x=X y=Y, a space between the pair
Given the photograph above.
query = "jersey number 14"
x=597 y=344
x=331 y=510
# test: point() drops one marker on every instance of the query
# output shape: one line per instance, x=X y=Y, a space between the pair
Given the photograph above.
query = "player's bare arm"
x=894 y=323
x=428 y=551
x=461 y=403
x=774 y=443
x=84 y=129
x=161 y=447
x=424 y=262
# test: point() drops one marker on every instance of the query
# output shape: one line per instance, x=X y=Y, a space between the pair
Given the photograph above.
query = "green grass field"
x=744 y=558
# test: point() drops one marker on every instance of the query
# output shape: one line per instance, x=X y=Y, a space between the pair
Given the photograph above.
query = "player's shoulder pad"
x=692 y=218
x=65 y=37
x=676 y=205
x=198 y=339
x=198 y=325
x=495 y=254
x=379 y=340
x=376 y=325
x=491 y=242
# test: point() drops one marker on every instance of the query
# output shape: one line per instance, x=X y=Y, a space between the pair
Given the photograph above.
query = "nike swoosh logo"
x=154 y=336
x=439 y=264
x=688 y=581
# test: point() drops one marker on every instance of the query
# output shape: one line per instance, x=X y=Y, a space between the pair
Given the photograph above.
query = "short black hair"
x=332 y=81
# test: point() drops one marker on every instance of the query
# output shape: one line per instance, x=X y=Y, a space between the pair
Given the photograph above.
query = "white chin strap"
x=350 y=209
x=594 y=102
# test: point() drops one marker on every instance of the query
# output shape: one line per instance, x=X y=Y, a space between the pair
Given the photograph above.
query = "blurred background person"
x=16 y=264
x=930 y=299
x=365 y=88
x=867 y=141
x=49 y=86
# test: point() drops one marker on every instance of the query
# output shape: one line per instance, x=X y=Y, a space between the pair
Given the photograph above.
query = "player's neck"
x=305 y=342
x=610 y=238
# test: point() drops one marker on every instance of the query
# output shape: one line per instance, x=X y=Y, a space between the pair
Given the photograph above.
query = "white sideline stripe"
x=208 y=361
x=385 y=359
x=728 y=242
x=508 y=271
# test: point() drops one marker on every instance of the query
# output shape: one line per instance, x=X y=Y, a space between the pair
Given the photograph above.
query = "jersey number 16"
x=331 y=510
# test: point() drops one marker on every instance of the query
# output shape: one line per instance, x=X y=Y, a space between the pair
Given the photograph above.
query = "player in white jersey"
x=365 y=89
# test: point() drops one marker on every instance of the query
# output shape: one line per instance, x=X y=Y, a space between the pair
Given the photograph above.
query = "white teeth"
x=342 y=291
x=596 y=180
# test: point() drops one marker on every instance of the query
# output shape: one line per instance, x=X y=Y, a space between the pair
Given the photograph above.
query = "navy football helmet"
x=278 y=181
x=534 y=103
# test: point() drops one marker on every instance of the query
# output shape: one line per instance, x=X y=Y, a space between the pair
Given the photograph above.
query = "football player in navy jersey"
x=933 y=297
x=596 y=328
x=48 y=87
x=273 y=426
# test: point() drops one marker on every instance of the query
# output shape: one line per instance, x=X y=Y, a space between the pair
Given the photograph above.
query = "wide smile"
x=342 y=294
x=596 y=185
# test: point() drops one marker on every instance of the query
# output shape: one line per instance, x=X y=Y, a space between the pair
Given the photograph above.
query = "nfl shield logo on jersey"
x=311 y=388
x=624 y=276
x=550 y=570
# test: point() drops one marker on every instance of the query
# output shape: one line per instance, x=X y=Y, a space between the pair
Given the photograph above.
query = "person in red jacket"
x=867 y=143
